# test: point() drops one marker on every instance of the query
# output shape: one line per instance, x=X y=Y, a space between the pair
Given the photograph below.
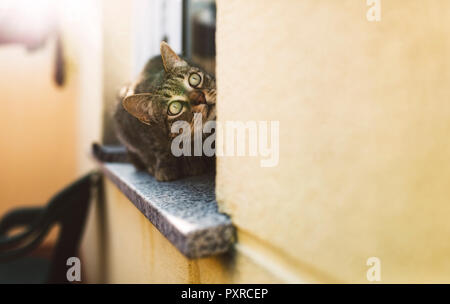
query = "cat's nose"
x=197 y=97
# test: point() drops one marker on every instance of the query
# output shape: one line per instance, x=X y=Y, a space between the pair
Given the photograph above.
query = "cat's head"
x=185 y=90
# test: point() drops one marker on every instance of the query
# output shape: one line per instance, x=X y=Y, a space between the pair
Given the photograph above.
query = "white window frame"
x=154 y=19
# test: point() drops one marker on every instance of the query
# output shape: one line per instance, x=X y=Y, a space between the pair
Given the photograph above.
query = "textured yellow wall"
x=364 y=121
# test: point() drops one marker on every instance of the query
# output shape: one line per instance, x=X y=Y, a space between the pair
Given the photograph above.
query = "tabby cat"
x=167 y=90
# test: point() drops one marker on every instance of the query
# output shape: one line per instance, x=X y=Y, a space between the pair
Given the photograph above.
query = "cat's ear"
x=138 y=105
x=170 y=58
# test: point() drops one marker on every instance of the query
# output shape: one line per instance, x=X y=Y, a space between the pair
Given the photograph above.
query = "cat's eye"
x=175 y=108
x=194 y=80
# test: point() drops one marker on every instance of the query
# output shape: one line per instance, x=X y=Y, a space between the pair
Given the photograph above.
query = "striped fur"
x=143 y=122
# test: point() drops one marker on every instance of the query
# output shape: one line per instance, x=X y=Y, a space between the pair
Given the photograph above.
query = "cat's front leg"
x=136 y=161
x=195 y=166
x=167 y=169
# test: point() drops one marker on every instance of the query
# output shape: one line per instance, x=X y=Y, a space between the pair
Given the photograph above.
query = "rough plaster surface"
x=364 y=121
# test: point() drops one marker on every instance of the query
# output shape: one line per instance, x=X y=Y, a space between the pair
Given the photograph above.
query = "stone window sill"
x=184 y=211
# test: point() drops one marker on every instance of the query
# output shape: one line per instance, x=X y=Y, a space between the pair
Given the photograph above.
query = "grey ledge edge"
x=200 y=243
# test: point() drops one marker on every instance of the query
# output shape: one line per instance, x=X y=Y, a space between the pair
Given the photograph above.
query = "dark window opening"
x=199 y=32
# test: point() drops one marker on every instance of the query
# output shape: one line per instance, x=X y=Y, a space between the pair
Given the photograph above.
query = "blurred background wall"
x=45 y=129
x=38 y=127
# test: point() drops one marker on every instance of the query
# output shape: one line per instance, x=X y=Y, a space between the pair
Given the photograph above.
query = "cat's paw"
x=197 y=166
x=136 y=161
x=166 y=174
